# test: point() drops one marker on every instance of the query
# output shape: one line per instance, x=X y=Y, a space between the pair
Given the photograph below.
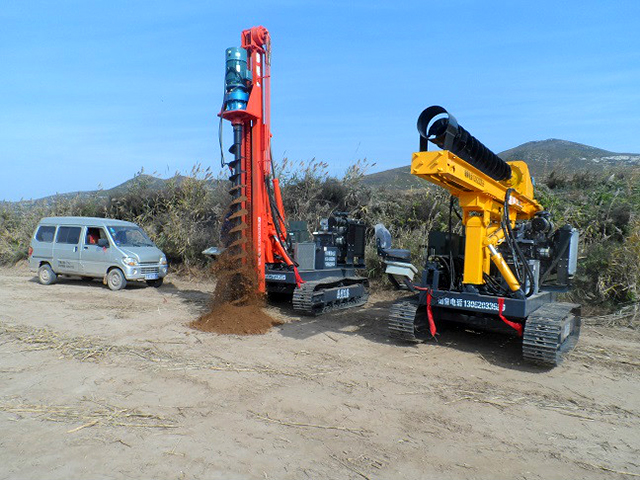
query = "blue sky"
x=91 y=92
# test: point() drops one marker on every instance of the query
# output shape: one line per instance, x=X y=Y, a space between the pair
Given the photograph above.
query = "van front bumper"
x=145 y=272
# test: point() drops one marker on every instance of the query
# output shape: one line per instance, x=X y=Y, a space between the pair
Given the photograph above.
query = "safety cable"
x=272 y=202
x=277 y=210
x=452 y=267
x=274 y=208
x=506 y=224
x=222 y=162
x=224 y=105
x=495 y=286
x=444 y=261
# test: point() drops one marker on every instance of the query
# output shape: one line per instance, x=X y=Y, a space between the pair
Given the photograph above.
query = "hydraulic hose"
x=511 y=238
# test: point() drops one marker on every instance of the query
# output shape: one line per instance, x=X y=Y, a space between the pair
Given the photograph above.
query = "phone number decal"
x=473 y=304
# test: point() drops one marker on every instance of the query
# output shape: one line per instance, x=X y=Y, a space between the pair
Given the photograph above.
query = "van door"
x=94 y=259
x=66 y=253
x=42 y=245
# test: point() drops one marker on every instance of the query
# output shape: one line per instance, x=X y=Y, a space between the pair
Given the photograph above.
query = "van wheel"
x=155 y=283
x=46 y=276
x=116 y=280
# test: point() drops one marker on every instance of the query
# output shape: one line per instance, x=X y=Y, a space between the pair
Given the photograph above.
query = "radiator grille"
x=305 y=255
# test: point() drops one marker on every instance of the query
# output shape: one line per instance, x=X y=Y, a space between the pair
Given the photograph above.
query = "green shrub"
x=183 y=216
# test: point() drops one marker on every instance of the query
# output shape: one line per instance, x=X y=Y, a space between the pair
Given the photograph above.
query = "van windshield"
x=130 y=237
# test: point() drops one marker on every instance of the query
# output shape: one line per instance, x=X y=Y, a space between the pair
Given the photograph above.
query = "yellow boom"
x=482 y=201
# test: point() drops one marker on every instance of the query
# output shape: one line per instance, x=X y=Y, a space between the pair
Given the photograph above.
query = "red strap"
x=432 y=324
x=299 y=280
x=516 y=326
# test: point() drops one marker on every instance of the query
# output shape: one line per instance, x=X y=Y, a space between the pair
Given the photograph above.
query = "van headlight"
x=132 y=262
x=163 y=260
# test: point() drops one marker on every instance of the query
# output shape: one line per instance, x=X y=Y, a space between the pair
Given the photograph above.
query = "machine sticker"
x=566 y=331
x=259 y=252
x=278 y=277
x=473 y=304
x=514 y=201
x=343 y=294
x=473 y=177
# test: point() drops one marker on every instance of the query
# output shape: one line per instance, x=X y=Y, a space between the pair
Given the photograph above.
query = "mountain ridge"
x=542 y=156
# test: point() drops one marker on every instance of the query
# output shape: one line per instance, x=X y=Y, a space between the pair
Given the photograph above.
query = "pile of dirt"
x=236 y=306
x=236 y=320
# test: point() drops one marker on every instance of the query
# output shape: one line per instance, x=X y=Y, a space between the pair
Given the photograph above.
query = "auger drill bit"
x=237 y=207
x=438 y=126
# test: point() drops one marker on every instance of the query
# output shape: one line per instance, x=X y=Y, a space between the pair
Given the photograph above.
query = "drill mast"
x=257 y=224
x=319 y=275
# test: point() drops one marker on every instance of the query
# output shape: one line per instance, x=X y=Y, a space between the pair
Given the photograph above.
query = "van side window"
x=69 y=235
x=93 y=235
x=45 y=234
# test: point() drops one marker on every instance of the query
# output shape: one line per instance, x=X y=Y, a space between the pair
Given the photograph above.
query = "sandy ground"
x=101 y=384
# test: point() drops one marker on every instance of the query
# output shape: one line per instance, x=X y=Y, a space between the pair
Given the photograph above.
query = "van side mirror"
x=103 y=242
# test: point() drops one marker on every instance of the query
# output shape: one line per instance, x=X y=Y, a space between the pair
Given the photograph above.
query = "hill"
x=397 y=178
x=143 y=178
x=553 y=154
x=542 y=157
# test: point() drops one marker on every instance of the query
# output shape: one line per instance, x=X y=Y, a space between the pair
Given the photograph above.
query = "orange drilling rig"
x=320 y=274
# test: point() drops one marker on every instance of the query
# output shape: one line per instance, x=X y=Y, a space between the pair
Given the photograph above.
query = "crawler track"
x=406 y=322
x=550 y=332
x=317 y=297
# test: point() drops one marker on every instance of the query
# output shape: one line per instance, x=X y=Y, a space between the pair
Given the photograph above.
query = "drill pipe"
x=438 y=126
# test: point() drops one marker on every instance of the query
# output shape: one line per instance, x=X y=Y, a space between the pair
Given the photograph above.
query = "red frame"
x=264 y=241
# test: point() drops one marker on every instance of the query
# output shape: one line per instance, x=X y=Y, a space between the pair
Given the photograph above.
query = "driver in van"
x=93 y=235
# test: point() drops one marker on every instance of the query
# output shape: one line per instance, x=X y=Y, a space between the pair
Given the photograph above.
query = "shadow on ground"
x=89 y=282
x=189 y=296
x=370 y=322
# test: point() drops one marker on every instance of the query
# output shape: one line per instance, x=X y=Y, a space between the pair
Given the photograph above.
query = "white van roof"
x=85 y=221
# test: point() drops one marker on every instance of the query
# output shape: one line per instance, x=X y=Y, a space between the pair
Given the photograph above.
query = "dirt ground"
x=101 y=384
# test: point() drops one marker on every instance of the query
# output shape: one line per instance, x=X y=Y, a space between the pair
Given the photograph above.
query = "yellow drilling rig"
x=506 y=268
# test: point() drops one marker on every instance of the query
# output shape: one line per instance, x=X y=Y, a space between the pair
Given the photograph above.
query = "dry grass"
x=628 y=316
x=568 y=403
x=91 y=349
x=619 y=360
x=184 y=215
x=79 y=348
x=90 y=413
x=288 y=423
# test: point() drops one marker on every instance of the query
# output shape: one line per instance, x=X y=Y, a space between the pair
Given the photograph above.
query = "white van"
x=113 y=250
